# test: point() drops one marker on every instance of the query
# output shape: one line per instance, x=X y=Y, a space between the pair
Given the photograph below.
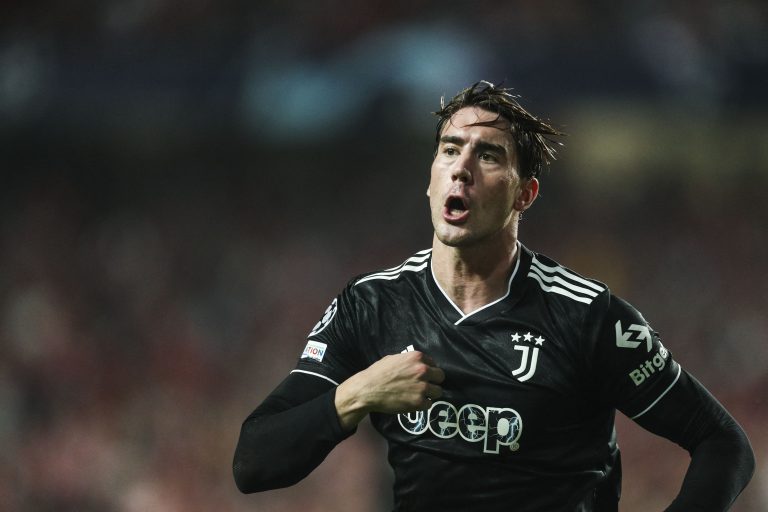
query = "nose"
x=460 y=171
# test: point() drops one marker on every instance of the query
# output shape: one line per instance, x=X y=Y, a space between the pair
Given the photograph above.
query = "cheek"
x=434 y=183
x=503 y=187
x=502 y=201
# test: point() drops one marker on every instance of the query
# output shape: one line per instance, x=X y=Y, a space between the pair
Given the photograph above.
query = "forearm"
x=722 y=461
x=279 y=448
x=300 y=422
x=720 y=468
x=350 y=407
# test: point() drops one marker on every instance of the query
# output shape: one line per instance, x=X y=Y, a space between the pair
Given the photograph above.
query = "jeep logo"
x=495 y=426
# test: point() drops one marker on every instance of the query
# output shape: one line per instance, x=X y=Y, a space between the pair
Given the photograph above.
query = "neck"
x=474 y=276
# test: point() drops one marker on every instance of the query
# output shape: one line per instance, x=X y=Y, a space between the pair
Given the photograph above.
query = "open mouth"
x=456 y=206
x=456 y=209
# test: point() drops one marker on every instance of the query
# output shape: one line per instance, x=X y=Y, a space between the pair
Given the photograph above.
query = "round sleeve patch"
x=327 y=317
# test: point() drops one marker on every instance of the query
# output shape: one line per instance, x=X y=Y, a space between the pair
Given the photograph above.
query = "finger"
x=435 y=374
x=433 y=392
x=426 y=359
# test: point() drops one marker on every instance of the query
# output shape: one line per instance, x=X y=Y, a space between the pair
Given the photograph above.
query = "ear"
x=529 y=191
x=427 y=191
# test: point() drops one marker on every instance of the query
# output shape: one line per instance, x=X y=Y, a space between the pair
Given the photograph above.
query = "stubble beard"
x=460 y=237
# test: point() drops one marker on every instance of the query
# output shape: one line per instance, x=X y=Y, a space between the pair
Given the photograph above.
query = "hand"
x=395 y=384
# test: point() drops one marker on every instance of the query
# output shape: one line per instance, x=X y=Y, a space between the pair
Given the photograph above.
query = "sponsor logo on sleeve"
x=314 y=350
x=650 y=366
x=640 y=333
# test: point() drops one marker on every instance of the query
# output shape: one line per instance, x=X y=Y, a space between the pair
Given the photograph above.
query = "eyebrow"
x=480 y=146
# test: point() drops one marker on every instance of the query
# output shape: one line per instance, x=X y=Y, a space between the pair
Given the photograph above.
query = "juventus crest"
x=528 y=346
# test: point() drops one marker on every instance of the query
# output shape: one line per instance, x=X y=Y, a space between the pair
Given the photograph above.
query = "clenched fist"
x=394 y=384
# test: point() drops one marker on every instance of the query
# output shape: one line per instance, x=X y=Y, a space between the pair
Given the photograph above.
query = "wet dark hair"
x=534 y=145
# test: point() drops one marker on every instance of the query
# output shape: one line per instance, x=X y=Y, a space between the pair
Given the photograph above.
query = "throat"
x=470 y=288
x=472 y=297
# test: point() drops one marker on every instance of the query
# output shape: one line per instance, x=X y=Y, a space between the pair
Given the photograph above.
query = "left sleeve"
x=632 y=367
x=722 y=461
x=637 y=375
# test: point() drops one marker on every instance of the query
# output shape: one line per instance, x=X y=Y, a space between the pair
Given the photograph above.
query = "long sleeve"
x=722 y=461
x=288 y=435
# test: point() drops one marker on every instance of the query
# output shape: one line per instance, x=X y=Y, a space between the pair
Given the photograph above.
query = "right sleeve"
x=333 y=350
x=288 y=435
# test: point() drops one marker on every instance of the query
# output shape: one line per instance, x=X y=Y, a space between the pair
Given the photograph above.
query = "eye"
x=488 y=157
x=450 y=151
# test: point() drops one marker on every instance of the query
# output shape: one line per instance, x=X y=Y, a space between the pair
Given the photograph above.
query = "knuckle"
x=421 y=370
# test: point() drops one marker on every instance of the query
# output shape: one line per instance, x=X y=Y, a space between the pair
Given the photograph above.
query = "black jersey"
x=533 y=379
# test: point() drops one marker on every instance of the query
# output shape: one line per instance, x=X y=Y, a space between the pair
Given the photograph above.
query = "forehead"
x=464 y=123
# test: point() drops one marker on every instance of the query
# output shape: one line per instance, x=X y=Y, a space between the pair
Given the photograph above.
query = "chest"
x=510 y=373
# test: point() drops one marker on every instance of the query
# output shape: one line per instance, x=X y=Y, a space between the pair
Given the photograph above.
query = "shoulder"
x=578 y=292
x=388 y=287
x=405 y=272
x=561 y=284
x=367 y=292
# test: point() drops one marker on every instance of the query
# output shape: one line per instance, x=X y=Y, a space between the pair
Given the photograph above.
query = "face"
x=475 y=191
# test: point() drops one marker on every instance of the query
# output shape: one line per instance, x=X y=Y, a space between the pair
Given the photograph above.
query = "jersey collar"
x=515 y=287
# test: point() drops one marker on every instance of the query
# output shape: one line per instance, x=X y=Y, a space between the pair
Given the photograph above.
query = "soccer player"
x=493 y=372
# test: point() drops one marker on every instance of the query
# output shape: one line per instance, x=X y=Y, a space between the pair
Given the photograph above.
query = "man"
x=493 y=372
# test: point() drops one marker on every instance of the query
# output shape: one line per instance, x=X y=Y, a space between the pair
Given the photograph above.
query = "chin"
x=453 y=239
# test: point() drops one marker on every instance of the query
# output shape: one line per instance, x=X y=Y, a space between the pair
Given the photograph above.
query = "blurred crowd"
x=187 y=185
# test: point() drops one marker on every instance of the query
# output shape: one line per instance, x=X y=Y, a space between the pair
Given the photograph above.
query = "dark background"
x=187 y=185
